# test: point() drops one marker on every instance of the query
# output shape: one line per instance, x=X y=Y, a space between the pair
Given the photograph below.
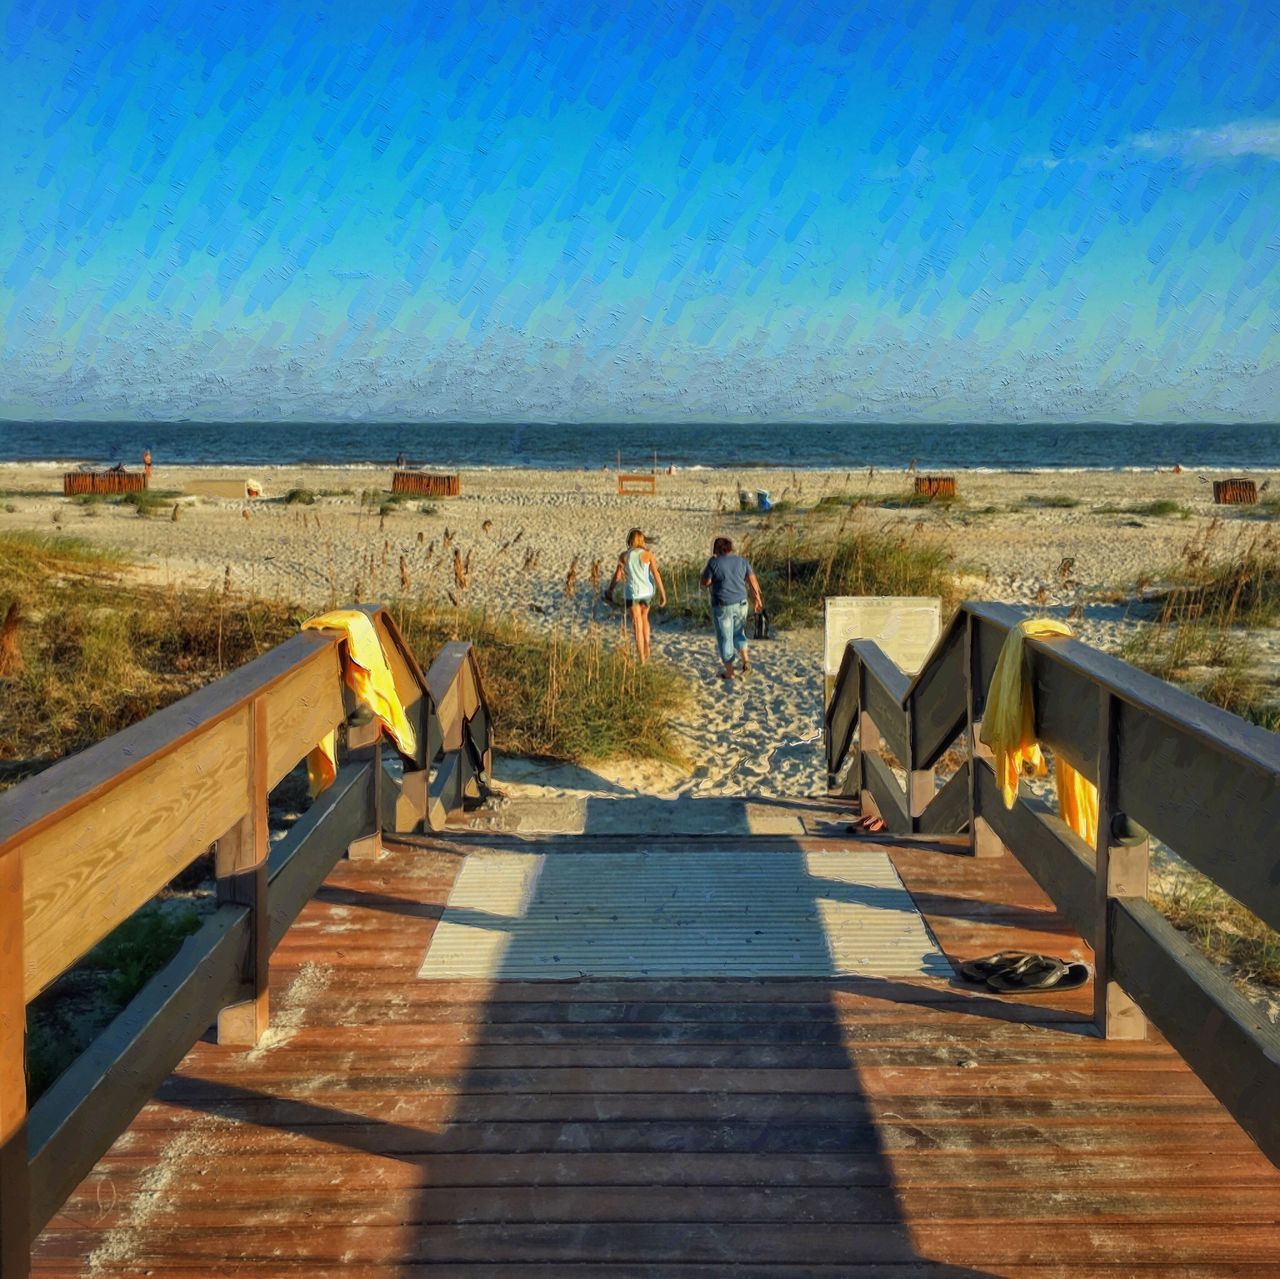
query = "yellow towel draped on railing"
x=1008 y=727
x=369 y=677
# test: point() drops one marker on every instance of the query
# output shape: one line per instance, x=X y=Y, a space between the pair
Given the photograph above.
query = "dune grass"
x=1222 y=928
x=577 y=697
x=1201 y=638
x=1161 y=508
x=799 y=564
x=1051 y=501
x=99 y=652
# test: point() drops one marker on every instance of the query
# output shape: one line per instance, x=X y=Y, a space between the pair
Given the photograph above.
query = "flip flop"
x=1076 y=975
x=980 y=969
x=868 y=825
x=1040 y=972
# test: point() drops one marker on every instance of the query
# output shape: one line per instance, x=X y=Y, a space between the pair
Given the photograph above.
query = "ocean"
x=449 y=445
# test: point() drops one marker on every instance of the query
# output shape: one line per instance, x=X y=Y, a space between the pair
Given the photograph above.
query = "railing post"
x=851 y=787
x=983 y=841
x=15 y=1258
x=1120 y=871
x=241 y=869
x=869 y=739
x=365 y=742
x=920 y=782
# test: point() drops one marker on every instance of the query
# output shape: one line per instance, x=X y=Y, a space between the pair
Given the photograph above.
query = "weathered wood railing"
x=87 y=842
x=1203 y=781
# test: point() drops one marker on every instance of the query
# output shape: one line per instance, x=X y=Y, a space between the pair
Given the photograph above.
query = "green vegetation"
x=96 y=652
x=64 y=1020
x=307 y=497
x=1221 y=927
x=99 y=652
x=567 y=697
x=1158 y=509
x=798 y=565
x=911 y=499
x=1051 y=501
x=1200 y=639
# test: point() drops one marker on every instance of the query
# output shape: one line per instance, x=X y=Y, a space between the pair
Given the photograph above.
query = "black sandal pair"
x=1023 y=972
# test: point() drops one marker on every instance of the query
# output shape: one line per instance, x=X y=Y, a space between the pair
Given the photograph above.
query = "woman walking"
x=639 y=571
x=730 y=578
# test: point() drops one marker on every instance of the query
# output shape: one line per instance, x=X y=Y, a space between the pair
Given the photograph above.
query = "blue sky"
x=713 y=210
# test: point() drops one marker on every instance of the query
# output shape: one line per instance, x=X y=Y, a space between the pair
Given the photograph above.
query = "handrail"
x=86 y=842
x=1197 y=777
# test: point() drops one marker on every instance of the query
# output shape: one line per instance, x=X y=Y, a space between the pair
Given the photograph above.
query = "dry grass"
x=800 y=562
x=1217 y=594
x=573 y=697
x=96 y=652
x=1223 y=929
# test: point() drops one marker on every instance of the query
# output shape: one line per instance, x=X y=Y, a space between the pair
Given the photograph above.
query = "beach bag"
x=761 y=631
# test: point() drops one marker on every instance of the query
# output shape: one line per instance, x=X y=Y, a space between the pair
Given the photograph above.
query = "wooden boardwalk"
x=391 y=1126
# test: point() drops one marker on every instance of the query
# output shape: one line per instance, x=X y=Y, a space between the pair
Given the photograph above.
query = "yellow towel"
x=1008 y=727
x=369 y=677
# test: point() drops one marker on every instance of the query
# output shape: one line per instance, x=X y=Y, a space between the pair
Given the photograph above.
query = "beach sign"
x=906 y=627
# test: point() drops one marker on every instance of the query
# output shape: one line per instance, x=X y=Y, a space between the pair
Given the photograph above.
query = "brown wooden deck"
x=389 y=1126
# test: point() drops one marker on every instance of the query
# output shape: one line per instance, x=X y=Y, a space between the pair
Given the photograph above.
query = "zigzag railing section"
x=87 y=842
x=1204 y=782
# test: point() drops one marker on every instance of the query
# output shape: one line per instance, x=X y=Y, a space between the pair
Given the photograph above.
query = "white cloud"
x=1240 y=137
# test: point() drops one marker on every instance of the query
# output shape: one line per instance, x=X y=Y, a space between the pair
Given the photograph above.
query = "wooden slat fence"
x=1235 y=492
x=935 y=486
x=90 y=840
x=1203 y=781
x=426 y=484
x=102 y=483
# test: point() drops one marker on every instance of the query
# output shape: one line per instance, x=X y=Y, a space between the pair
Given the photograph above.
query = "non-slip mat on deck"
x=680 y=914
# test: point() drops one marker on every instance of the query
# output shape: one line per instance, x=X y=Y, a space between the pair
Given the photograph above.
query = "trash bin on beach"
x=763 y=500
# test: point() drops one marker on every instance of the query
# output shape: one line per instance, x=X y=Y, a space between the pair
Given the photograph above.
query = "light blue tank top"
x=639 y=584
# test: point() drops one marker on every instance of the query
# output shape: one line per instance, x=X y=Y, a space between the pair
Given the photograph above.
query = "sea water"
x=450 y=445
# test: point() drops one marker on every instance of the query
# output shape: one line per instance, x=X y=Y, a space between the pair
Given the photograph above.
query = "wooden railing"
x=88 y=841
x=1203 y=781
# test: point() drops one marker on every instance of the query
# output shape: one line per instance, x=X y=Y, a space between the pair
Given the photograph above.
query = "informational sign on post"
x=906 y=627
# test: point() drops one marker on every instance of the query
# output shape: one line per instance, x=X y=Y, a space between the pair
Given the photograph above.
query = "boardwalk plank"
x=671 y=1129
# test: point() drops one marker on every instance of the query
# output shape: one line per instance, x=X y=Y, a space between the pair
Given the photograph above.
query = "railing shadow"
x=651 y=1125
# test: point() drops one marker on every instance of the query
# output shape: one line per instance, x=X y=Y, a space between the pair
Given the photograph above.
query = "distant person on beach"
x=146 y=466
x=731 y=579
x=638 y=570
x=400 y=460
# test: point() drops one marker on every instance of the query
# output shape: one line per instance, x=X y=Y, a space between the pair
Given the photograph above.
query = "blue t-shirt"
x=728 y=574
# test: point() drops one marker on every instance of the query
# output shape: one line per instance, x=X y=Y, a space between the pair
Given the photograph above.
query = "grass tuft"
x=1051 y=501
x=1158 y=509
x=799 y=566
x=1222 y=928
x=578 y=698
x=1201 y=638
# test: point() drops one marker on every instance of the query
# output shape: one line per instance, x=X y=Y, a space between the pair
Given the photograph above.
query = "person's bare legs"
x=640 y=627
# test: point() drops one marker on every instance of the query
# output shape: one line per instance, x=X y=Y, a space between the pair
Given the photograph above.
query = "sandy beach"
x=520 y=534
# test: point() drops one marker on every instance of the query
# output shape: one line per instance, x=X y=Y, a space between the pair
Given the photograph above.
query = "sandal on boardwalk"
x=981 y=969
x=1076 y=975
x=869 y=825
x=1039 y=972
